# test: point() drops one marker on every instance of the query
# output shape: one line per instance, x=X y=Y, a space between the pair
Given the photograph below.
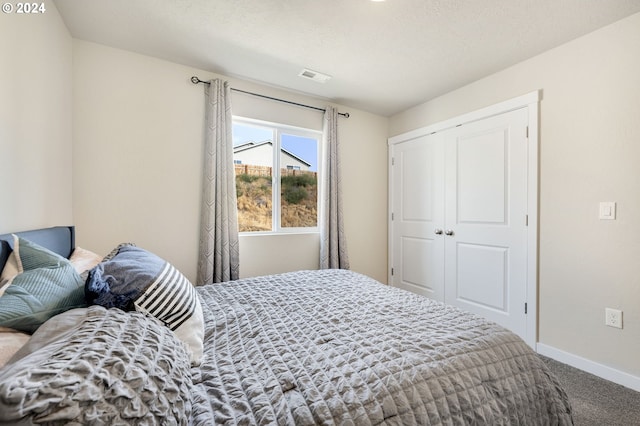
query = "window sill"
x=282 y=233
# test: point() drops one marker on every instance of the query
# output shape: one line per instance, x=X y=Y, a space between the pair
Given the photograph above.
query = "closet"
x=463 y=213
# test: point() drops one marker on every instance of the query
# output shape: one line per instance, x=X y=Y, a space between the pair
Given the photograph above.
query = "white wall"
x=590 y=146
x=137 y=142
x=35 y=121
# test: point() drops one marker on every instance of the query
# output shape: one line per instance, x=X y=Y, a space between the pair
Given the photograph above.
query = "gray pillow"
x=98 y=366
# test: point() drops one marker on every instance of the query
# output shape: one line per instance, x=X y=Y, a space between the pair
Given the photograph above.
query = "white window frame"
x=278 y=130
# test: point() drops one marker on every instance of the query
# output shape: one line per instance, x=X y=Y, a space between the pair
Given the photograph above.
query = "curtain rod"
x=196 y=80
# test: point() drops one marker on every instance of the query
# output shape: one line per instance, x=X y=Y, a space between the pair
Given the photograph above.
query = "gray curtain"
x=333 y=244
x=219 y=255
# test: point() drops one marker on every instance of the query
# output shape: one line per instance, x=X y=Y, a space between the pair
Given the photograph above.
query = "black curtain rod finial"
x=196 y=80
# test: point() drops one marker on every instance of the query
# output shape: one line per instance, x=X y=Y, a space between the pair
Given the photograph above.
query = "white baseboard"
x=607 y=373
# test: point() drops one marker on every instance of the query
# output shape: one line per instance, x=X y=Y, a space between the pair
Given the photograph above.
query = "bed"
x=307 y=347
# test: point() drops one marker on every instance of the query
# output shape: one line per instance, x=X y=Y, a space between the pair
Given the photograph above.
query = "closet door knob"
x=438 y=231
x=448 y=232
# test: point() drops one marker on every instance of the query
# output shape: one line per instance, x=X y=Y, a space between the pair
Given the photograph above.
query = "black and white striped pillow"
x=137 y=280
x=170 y=298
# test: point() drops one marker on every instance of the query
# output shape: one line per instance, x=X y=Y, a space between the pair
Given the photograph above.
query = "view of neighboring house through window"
x=276 y=176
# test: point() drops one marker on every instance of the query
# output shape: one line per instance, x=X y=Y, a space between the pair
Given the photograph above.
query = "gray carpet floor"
x=595 y=401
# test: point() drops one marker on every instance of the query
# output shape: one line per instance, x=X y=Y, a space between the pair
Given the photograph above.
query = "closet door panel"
x=486 y=207
x=418 y=213
x=487 y=265
x=417 y=265
x=482 y=179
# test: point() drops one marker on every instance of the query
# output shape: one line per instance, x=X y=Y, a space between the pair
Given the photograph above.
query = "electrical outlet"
x=613 y=317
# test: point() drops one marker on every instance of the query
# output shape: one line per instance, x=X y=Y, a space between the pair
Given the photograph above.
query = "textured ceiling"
x=384 y=57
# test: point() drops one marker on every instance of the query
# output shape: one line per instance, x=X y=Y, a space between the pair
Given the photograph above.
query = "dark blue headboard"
x=59 y=239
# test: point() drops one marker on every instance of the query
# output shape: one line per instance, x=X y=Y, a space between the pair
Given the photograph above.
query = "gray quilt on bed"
x=95 y=366
x=305 y=348
x=335 y=347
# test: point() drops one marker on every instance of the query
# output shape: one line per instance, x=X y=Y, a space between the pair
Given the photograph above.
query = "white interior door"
x=418 y=210
x=486 y=218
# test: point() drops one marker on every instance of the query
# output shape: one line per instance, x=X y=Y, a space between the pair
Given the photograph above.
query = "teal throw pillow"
x=48 y=285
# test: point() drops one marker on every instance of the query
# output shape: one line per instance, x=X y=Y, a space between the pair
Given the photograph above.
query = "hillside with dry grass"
x=299 y=199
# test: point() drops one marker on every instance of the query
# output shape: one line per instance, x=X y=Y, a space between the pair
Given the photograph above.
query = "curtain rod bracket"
x=196 y=80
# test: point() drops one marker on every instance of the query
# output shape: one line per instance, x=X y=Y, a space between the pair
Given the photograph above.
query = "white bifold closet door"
x=459 y=225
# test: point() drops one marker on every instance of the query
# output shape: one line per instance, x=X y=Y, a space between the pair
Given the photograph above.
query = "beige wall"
x=138 y=128
x=35 y=121
x=590 y=148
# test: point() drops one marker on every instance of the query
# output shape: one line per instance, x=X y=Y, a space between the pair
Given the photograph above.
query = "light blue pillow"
x=47 y=286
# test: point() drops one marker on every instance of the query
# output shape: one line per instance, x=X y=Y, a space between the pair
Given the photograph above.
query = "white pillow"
x=13 y=266
x=83 y=260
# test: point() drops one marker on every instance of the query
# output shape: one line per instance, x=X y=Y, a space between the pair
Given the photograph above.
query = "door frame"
x=530 y=101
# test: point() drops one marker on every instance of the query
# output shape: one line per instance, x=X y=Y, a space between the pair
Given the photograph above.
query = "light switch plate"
x=607 y=210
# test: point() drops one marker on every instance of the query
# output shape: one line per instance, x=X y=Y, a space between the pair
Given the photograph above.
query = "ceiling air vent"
x=314 y=75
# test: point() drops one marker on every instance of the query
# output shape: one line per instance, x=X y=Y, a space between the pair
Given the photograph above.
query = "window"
x=276 y=176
